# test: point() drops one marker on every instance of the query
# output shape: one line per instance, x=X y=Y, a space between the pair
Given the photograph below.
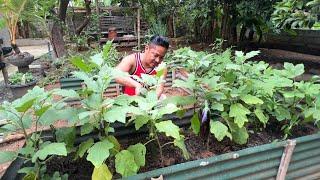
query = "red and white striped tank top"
x=138 y=71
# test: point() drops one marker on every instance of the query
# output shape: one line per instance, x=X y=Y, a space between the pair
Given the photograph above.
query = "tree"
x=57 y=29
x=12 y=12
x=296 y=14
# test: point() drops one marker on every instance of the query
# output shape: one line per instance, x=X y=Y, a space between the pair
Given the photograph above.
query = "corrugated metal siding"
x=70 y=83
x=259 y=162
x=305 y=161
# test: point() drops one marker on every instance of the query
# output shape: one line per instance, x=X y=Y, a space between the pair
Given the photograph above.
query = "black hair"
x=159 y=41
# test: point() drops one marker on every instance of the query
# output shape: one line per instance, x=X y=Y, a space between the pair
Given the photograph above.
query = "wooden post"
x=138 y=27
x=4 y=69
x=98 y=14
x=285 y=159
x=173 y=24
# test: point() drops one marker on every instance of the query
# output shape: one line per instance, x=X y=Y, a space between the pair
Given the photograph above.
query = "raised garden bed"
x=239 y=103
x=224 y=160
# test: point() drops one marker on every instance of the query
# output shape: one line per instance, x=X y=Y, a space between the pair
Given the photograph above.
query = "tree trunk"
x=57 y=40
x=57 y=30
x=87 y=19
x=251 y=34
x=242 y=33
x=234 y=35
x=13 y=40
x=15 y=48
x=225 y=25
x=170 y=26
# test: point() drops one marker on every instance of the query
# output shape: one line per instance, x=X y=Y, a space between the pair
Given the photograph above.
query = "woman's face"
x=154 y=55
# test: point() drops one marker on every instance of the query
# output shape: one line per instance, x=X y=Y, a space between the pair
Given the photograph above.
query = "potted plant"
x=20 y=83
x=12 y=12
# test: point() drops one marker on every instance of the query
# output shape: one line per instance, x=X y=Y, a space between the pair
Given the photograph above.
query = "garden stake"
x=285 y=159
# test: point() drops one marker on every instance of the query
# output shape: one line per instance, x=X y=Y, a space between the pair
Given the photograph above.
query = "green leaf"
x=94 y=101
x=50 y=149
x=86 y=129
x=292 y=71
x=230 y=77
x=195 y=123
x=30 y=176
x=87 y=114
x=152 y=96
x=116 y=145
x=316 y=115
x=89 y=82
x=240 y=135
x=66 y=93
x=8 y=128
x=189 y=83
x=41 y=111
x=219 y=130
x=169 y=129
x=180 y=113
x=52 y=115
x=27 y=150
x=217 y=106
x=97 y=59
x=107 y=47
x=180 y=144
x=27 y=170
x=140 y=121
x=66 y=135
x=79 y=63
x=259 y=113
x=167 y=109
x=249 y=99
x=84 y=146
x=25 y=106
x=27 y=121
x=282 y=113
x=99 y=152
x=125 y=164
x=6 y=156
x=139 y=152
x=239 y=53
x=180 y=100
x=233 y=67
x=252 y=54
x=116 y=114
x=239 y=112
x=101 y=173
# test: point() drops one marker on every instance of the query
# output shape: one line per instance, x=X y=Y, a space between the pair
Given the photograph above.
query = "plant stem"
x=149 y=141
x=160 y=148
x=22 y=126
x=208 y=142
x=167 y=144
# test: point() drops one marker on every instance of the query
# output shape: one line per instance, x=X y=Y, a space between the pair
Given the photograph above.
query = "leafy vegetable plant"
x=38 y=109
x=21 y=78
x=238 y=93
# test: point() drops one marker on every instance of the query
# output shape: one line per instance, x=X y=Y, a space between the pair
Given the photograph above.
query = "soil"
x=198 y=149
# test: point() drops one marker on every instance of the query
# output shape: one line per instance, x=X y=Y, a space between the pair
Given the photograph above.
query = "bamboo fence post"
x=285 y=159
x=138 y=27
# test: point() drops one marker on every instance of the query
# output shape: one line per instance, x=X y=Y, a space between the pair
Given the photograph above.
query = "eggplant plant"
x=150 y=113
x=99 y=113
x=37 y=108
x=238 y=93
